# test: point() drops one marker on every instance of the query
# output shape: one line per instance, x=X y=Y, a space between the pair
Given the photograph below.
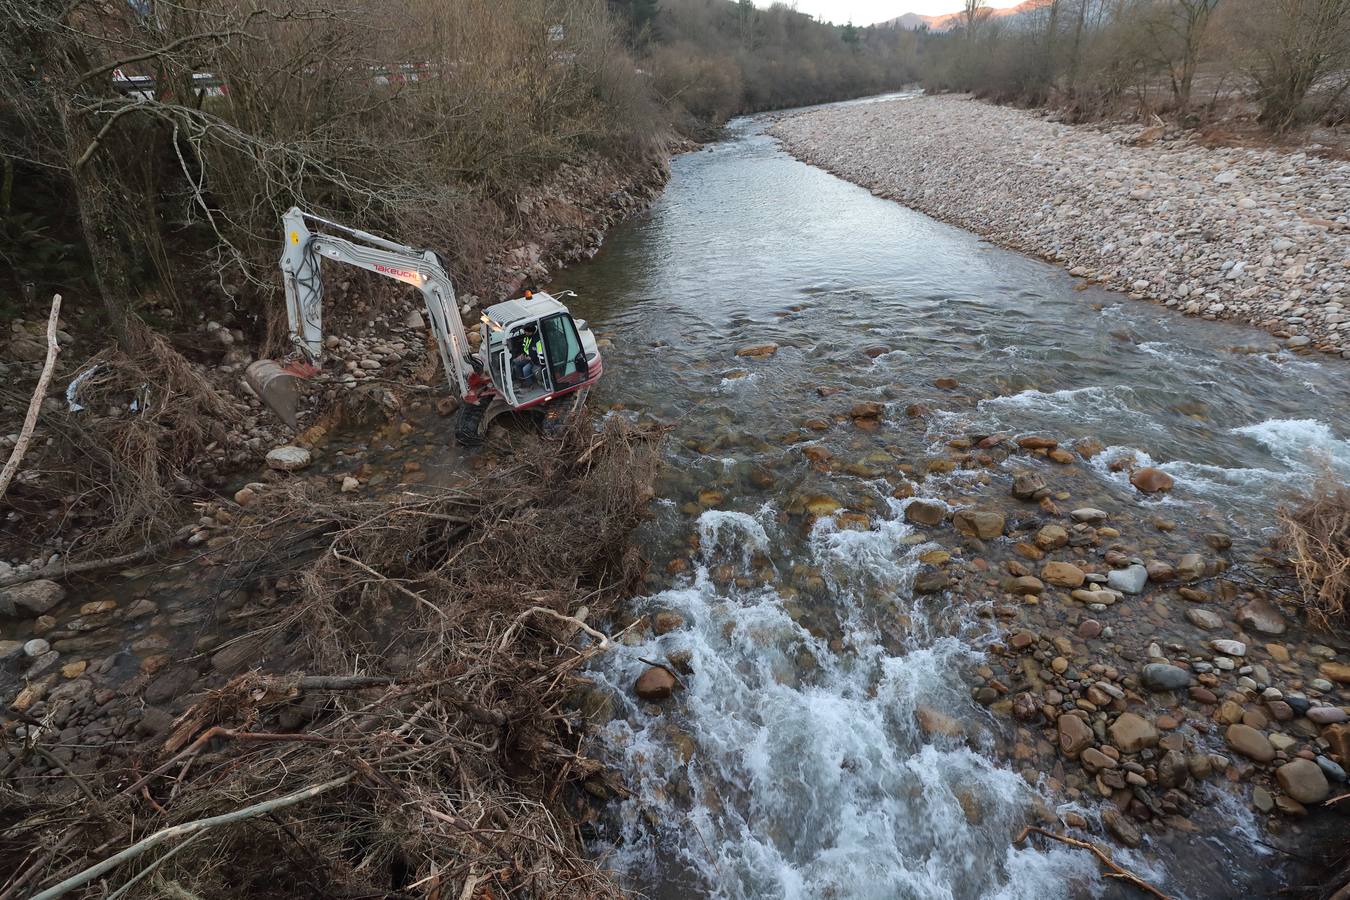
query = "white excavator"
x=491 y=378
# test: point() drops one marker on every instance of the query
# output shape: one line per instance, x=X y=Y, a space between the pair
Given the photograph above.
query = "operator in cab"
x=527 y=363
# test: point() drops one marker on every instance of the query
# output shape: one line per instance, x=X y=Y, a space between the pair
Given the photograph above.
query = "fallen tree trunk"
x=34 y=405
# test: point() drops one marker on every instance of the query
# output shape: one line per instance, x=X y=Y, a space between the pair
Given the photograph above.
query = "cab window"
x=562 y=345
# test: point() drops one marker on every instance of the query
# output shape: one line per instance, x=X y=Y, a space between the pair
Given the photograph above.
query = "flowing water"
x=791 y=765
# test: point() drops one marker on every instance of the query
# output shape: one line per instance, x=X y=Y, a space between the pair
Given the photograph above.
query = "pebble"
x=288 y=458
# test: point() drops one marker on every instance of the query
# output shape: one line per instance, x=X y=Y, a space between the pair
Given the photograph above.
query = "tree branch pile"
x=408 y=733
x=1317 y=534
x=142 y=434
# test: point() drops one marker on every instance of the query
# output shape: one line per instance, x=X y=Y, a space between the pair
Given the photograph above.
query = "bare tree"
x=1297 y=56
x=1178 y=30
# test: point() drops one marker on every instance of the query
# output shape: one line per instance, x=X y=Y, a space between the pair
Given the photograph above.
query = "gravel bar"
x=1254 y=235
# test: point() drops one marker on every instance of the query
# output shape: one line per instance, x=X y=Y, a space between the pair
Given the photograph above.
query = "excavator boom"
x=301 y=261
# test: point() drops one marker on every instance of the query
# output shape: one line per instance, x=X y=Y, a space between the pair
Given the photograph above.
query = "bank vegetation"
x=1195 y=60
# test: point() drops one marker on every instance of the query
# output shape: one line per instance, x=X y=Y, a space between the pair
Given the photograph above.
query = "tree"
x=1297 y=56
x=1178 y=29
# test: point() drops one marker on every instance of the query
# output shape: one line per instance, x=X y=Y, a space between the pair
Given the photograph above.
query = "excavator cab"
x=484 y=379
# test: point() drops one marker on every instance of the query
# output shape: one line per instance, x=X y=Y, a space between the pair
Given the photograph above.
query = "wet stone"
x=1164 y=677
x=1131 y=733
x=1262 y=617
x=1250 y=743
x=654 y=684
x=1129 y=580
x=925 y=512
x=1203 y=618
x=980 y=523
x=1303 y=780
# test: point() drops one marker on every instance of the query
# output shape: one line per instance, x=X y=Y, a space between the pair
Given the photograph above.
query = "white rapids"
x=792 y=766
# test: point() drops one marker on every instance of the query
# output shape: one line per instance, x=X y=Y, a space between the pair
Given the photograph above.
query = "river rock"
x=1121 y=828
x=981 y=523
x=1336 y=671
x=1089 y=515
x=1190 y=567
x=35 y=598
x=934 y=723
x=1262 y=617
x=1164 y=677
x=36 y=647
x=931 y=582
x=1051 y=537
x=654 y=684
x=1027 y=485
x=1229 y=648
x=1203 y=618
x=1332 y=770
x=1172 y=769
x=1326 y=715
x=289 y=458
x=1131 y=733
x=925 y=512
x=1074 y=735
x=868 y=409
x=1062 y=574
x=1250 y=743
x=1150 y=480
x=758 y=350
x=1303 y=780
x=1130 y=580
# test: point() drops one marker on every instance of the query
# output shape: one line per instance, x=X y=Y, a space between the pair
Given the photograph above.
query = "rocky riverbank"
x=379 y=341
x=1253 y=235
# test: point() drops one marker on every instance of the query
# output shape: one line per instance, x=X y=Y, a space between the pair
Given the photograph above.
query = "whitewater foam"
x=792 y=765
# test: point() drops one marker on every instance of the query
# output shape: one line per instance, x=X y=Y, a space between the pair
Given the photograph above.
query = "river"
x=791 y=765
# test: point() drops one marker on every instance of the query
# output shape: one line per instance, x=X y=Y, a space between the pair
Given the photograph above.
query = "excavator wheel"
x=469 y=424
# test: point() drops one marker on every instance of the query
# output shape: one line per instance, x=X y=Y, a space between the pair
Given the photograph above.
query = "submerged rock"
x=981 y=523
x=32 y=599
x=1130 y=580
x=1151 y=481
x=654 y=684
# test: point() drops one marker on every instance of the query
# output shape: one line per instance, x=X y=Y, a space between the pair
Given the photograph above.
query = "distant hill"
x=945 y=21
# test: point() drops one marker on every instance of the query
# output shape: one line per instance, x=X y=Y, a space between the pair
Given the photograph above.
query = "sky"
x=865 y=12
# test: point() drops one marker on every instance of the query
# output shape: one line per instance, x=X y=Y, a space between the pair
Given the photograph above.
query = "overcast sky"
x=865 y=12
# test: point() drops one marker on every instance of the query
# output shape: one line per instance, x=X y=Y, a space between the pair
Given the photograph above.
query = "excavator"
x=483 y=377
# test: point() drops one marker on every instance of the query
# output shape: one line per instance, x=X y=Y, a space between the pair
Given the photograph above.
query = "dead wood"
x=1114 y=870
x=441 y=646
x=35 y=404
x=1317 y=534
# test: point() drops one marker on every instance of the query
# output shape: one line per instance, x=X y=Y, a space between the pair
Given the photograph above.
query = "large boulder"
x=1303 y=780
x=28 y=601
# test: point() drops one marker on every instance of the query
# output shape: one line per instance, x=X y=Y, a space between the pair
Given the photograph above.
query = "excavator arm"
x=301 y=262
x=300 y=271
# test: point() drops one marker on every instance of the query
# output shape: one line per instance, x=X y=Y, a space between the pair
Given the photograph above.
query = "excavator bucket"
x=276 y=388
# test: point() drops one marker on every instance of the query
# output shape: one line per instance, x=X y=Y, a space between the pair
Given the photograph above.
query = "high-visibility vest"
x=534 y=347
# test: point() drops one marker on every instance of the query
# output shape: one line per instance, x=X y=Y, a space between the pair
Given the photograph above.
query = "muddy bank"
x=1255 y=236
